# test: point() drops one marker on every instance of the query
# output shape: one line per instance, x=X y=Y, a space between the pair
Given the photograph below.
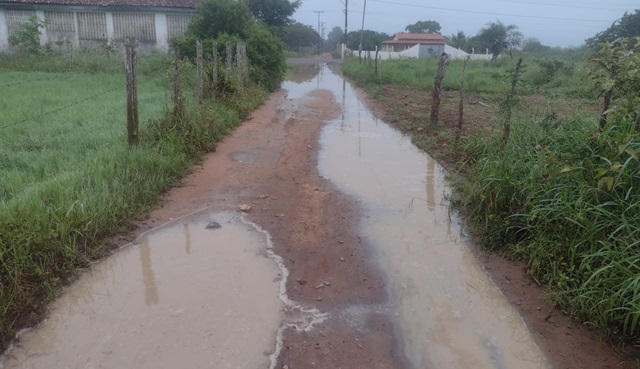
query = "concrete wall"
x=460 y=54
x=89 y=27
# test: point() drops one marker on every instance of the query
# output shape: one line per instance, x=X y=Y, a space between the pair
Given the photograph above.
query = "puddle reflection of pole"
x=431 y=190
x=359 y=132
x=151 y=296
x=187 y=239
x=344 y=98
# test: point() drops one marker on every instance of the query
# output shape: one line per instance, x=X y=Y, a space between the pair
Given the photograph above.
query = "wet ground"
x=350 y=257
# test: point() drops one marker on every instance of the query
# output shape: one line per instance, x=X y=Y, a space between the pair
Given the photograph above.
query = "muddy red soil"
x=269 y=163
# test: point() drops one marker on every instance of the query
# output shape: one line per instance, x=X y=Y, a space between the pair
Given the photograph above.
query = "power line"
x=489 y=13
x=559 y=5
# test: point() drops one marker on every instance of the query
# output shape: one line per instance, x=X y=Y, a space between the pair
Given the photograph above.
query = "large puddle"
x=188 y=295
x=450 y=313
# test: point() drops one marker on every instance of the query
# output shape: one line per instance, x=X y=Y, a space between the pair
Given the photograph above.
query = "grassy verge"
x=562 y=195
x=68 y=180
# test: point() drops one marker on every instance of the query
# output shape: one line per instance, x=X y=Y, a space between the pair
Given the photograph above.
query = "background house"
x=430 y=44
x=91 y=23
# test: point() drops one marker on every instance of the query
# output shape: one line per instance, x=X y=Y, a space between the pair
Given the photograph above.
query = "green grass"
x=68 y=179
x=558 y=76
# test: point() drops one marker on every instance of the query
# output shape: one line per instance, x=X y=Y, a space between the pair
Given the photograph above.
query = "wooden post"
x=131 y=67
x=461 y=106
x=200 y=66
x=214 y=77
x=437 y=88
x=376 y=61
x=229 y=55
x=506 y=130
x=178 y=105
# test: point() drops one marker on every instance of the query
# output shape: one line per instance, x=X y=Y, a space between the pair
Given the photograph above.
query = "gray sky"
x=554 y=22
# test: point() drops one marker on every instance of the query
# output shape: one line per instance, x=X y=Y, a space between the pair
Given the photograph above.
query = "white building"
x=91 y=23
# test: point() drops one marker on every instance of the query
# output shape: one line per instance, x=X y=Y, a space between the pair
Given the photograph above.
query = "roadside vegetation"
x=562 y=193
x=69 y=182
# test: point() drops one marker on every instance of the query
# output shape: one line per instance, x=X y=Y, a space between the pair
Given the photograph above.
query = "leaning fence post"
x=131 y=67
x=437 y=88
x=200 y=79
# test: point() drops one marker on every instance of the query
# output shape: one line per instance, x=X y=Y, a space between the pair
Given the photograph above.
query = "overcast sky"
x=554 y=22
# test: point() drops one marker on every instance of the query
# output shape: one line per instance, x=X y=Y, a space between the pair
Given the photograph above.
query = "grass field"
x=562 y=193
x=68 y=179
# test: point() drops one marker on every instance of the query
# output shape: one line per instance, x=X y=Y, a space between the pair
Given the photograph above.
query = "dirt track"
x=313 y=228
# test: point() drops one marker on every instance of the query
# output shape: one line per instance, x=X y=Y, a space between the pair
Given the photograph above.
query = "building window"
x=140 y=26
x=15 y=18
x=59 y=21
x=177 y=24
x=92 y=26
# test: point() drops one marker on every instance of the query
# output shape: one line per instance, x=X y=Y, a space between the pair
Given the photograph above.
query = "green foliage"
x=498 y=38
x=335 y=37
x=27 y=37
x=458 y=40
x=533 y=45
x=370 y=39
x=616 y=68
x=299 y=35
x=216 y=17
x=627 y=26
x=274 y=13
x=222 y=20
x=428 y=26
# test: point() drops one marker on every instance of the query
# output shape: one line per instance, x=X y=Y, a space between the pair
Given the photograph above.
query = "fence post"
x=229 y=56
x=437 y=88
x=200 y=79
x=131 y=67
x=178 y=105
x=461 y=106
x=508 y=104
x=214 y=77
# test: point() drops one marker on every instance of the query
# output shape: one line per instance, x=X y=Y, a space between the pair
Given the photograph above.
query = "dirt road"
x=346 y=257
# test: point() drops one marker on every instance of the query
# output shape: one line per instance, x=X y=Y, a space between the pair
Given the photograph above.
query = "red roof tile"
x=189 y=4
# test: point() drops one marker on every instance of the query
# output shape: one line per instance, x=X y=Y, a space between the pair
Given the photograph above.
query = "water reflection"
x=187 y=239
x=450 y=313
x=151 y=296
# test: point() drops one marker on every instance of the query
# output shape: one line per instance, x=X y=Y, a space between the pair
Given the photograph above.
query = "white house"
x=90 y=23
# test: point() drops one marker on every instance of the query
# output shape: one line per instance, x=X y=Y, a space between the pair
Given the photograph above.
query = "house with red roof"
x=430 y=44
x=91 y=23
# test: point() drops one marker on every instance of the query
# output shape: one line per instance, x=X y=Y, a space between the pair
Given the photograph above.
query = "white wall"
x=4 y=31
x=162 y=36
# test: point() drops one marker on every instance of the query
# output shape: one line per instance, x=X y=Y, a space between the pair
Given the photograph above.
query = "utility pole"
x=364 y=11
x=346 y=17
x=319 y=41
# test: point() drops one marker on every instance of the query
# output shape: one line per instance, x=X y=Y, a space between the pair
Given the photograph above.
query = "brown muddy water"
x=448 y=312
x=183 y=296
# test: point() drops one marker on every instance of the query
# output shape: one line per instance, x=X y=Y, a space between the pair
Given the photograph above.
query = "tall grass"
x=68 y=180
x=564 y=197
x=559 y=76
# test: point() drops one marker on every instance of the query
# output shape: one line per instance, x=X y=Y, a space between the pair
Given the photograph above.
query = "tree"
x=27 y=36
x=334 y=38
x=498 y=38
x=274 y=13
x=230 y=20
x=215 y=17
x=533 y=45
x=627 y=26
x=428 y=26
x=370 y=39
x=299 y=35
x=458 y=40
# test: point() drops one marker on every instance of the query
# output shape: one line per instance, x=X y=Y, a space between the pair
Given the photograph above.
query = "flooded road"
x=450 y=313
x=180 y=298
x=349 y=258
